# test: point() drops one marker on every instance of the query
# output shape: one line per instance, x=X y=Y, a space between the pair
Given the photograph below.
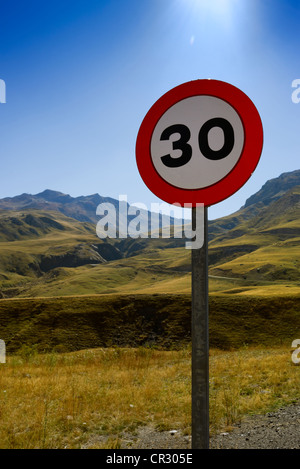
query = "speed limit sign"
x=199 y=143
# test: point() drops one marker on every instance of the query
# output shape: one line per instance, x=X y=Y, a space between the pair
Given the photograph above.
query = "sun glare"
x=210 y=18
x=219 y=9
x=215 y=5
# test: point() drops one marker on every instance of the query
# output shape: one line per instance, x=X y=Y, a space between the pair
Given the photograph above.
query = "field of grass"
x=88 y=399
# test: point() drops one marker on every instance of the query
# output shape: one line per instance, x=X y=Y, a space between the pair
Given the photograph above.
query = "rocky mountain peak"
x=273 y=189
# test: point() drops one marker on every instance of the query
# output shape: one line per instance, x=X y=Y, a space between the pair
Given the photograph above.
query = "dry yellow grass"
x=250 y=381
x=69 y=400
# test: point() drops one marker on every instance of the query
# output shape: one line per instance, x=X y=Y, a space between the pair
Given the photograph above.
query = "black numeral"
x=180 y=144
x=228 y=139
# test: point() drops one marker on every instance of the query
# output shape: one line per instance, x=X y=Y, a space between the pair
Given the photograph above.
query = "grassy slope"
x=254 y=285
x=66 y=324
x=274 y=262
x=24 y=241
x=257 y=253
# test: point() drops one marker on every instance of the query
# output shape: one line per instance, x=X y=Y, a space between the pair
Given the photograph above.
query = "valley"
x=50 y=255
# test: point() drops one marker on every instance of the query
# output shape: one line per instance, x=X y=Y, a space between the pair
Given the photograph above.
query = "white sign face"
x=197 y=142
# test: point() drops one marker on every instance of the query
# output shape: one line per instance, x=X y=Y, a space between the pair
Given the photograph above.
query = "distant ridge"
x=257 y=204
x=82 y=208
x=273 y=189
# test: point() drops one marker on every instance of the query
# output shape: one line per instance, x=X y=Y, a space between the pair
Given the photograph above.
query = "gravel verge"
x=274 y=430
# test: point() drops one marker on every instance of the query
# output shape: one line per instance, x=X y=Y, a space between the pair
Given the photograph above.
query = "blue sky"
x=81 y=75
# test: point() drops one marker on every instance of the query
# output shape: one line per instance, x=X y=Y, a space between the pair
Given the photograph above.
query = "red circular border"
x=241 y=172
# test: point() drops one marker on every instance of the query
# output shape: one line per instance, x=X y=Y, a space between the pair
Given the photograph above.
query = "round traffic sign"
x=199 y=143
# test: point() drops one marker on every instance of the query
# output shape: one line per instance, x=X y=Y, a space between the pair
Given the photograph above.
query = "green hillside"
x=264 y=248
x=34 y=243
x=54 y=269
x=48 y=254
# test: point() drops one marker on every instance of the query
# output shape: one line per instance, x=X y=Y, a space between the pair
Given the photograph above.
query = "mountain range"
x=83 y=208
x=63 y=288
x=49 y=247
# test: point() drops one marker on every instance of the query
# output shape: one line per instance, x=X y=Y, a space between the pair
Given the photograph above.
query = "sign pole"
x=200 y=340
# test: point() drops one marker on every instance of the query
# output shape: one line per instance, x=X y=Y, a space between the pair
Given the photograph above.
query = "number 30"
x=186 y=149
